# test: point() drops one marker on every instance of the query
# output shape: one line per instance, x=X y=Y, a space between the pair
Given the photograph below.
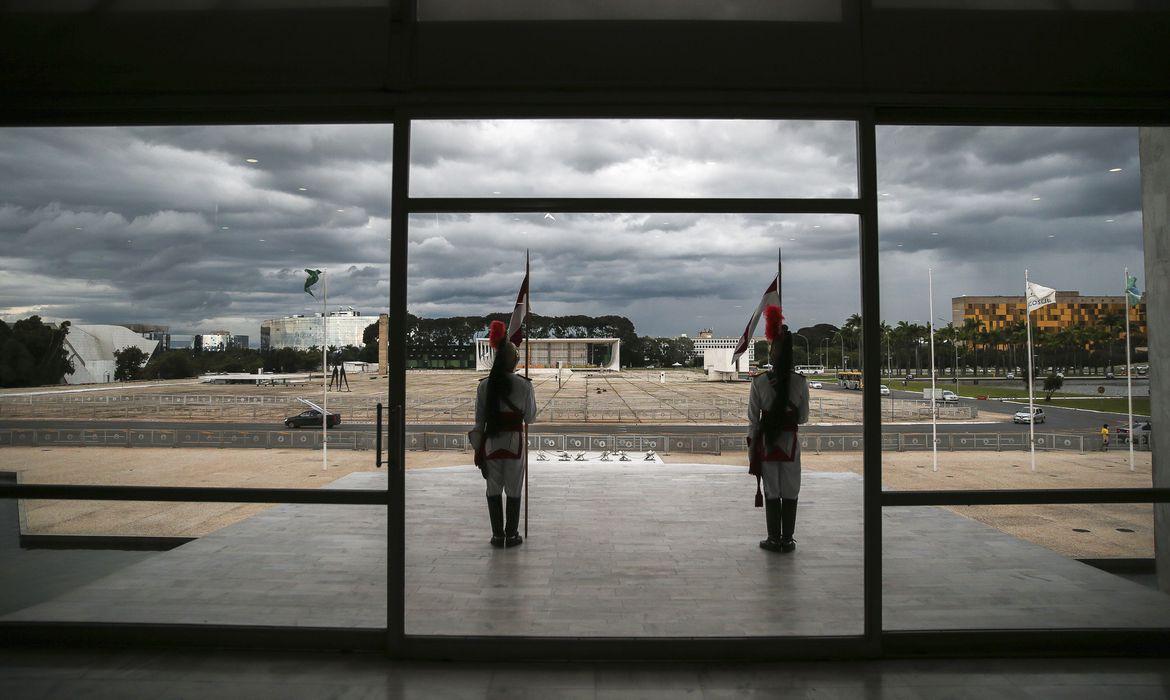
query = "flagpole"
x=527 y=358
x=1128 y=370
x=933 y=396
x=325 y=373
x=1031 y=397
x=779 y=267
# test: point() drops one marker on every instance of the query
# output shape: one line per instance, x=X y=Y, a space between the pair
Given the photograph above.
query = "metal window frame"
x=403 y=205
x=875 y=641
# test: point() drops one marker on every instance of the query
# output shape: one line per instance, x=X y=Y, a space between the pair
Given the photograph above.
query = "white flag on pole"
x=1039 y=295
x=771 y=297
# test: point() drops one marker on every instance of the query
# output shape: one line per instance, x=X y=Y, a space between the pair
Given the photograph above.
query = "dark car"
x=311 y=419
x=1141 y=430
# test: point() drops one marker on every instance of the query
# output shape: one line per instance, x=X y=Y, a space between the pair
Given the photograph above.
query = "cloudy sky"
x=209 y=227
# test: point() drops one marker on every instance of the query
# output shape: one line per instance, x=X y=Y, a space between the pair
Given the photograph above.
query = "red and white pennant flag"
x=520 y=312
x=771 y=297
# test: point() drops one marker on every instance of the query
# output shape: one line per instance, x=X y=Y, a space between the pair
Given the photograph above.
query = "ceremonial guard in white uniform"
x=777 y=405
x=504 y=403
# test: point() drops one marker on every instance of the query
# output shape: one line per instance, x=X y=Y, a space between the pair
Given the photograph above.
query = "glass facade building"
x=303 y=332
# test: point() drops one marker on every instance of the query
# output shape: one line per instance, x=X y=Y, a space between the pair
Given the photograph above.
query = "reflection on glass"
x=633 y=158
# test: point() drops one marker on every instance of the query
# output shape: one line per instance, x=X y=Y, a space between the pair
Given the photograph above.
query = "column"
x=1154 y=150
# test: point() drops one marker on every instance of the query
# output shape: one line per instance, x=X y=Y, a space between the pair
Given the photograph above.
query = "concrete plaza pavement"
x=613 y=550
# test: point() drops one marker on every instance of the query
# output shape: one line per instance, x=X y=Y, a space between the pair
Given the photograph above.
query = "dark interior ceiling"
x=287 y=61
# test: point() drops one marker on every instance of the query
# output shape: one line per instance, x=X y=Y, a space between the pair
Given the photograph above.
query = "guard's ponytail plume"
x=773 y=318
x=496 y=333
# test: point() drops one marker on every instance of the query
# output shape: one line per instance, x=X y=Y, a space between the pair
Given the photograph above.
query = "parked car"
x=311 y=418
x=1141 y=430
x=949 y=395
x=1010 y=375
x=1022 y=416
x=815 y=385
x=885 y=390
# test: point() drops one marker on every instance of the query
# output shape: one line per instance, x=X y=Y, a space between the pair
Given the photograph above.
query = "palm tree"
x=1114 y=325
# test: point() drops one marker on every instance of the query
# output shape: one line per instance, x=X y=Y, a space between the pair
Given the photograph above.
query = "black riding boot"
x=512 y=538
x=496 y=513
x=787 y=544
x=772 y=513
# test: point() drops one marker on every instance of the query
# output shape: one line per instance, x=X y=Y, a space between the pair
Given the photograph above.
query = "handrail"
x=195 y=494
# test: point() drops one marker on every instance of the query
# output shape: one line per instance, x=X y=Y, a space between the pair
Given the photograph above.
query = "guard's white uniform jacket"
x=781 y=475
x=504 y=451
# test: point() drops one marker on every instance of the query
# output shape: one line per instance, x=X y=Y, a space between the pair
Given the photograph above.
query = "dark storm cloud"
x=174 y=225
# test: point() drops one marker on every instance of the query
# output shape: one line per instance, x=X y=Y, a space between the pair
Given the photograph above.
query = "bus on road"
x=849 y=379
x=809 y=369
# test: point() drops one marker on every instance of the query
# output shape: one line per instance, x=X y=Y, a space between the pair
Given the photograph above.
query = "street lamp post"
x=807 y=352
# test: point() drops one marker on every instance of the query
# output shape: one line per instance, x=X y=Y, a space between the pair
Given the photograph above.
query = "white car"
x=885 y=390
x=1022 y=416
x=815 y=385
x=948 y=395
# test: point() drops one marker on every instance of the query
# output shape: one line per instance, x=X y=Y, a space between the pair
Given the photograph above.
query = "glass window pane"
x=1021 y=567
x=640 y=504
x=972 y=209
x=189 y=245
x=633 y=158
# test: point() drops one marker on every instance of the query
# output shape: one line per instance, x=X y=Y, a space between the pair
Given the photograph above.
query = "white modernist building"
x=91 y=347
x=303 y=332
x=550 y=353
x=717 y=363
x=706 y=341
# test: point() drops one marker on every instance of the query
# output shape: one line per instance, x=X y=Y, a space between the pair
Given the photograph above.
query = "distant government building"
x=1070 y=310
x=572 y=353
x=707 y=340
x=304 y=332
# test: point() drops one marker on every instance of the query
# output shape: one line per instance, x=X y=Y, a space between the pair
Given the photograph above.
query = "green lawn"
x=1141 y=404
x=971 y=390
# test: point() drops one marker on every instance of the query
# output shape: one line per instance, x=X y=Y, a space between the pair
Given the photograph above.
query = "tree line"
x=905 y=345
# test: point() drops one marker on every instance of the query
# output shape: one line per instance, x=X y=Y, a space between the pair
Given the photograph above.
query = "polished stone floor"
x=27 y=674
x=613 y=550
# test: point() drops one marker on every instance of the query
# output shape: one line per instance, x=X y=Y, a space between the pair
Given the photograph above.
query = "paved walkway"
x=614 y=550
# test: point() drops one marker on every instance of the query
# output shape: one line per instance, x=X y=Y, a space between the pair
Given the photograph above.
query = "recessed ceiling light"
x=884 y=194
x=340 y=211
x=1114 y=170
x=899 y=245
x=495 y=192
x=262 y=240
x=1108 y=221
x=302 y=189
x=223 y=228
x=1052 y=235
x=817 y=226
x=792 y=239
x=251 y=160
x=77 y=228
x=934 y=233
x=1035 y=199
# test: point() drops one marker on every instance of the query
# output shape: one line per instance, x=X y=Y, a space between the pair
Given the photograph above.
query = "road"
x=1061 y=420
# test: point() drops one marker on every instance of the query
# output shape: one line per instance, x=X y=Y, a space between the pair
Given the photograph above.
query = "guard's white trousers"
x=505 y=475
x=781 y=479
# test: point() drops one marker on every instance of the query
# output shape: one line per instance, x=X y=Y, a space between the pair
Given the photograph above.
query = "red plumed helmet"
x=773 y=318
x=496 y=333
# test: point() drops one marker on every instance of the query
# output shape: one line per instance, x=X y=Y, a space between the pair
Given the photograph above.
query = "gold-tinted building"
x=1070 y=310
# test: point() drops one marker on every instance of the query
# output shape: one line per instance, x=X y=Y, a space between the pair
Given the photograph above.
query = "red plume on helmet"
x=773 y=317
x=496 y=333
